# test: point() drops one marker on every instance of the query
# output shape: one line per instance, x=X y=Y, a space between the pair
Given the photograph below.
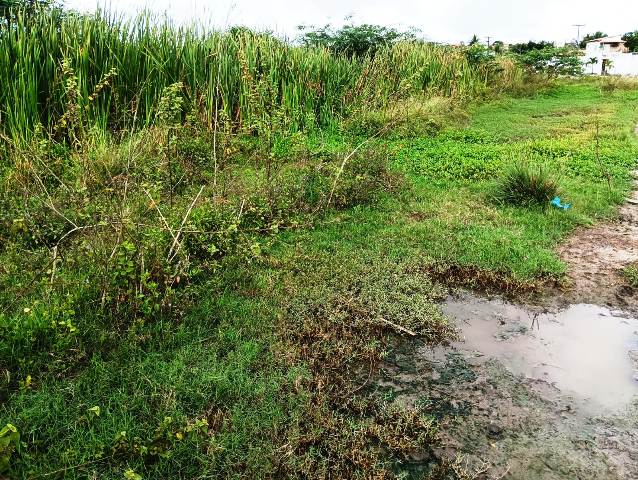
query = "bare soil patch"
x=596 y=257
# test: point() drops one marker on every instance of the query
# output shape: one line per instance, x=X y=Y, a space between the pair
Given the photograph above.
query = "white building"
x=609 y=56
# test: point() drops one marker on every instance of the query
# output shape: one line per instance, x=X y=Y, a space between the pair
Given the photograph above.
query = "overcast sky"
x=440 y=20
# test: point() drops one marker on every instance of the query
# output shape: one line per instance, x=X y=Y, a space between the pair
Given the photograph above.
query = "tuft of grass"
x=527 y=184
x=631 y=275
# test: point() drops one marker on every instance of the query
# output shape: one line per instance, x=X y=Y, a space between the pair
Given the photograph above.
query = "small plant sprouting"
x=130 y=474
x=631 y=275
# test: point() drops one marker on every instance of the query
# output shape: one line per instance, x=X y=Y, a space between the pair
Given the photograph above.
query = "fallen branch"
x=398 y=327
x=154 y=204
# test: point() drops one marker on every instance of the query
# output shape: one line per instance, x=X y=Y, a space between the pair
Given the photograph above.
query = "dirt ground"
x=498 y=425
x=596 y=257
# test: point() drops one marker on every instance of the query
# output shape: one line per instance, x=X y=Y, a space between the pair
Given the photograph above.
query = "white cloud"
x=507 y=20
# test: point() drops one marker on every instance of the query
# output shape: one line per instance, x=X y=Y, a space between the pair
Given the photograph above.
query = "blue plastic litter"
x=557 y=203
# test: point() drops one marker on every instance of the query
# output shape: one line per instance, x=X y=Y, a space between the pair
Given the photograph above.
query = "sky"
x=443 y=21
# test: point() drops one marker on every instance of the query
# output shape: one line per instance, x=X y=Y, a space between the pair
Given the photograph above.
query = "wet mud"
x=528 y=393
x=538 y=391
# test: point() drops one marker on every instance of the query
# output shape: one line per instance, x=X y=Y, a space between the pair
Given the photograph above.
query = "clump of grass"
x=631 y=275
x=527 y=184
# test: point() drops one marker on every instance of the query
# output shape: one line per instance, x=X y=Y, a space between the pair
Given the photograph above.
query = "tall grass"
x=113 y=72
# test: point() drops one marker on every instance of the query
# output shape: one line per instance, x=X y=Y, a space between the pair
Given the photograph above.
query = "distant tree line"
x=524 y=48
x=7 y=5
x=29 y=7
x=535 y=56
x=589 y=37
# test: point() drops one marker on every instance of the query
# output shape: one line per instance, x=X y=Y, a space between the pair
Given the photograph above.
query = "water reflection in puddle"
x=586 y=350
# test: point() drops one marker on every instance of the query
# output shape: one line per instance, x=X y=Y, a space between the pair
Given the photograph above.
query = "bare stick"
x=398 y=327
x=54 y=263
x=349 y=156
x=73 y=230
x=176 y=237
x=160 y=213
x=49 y=200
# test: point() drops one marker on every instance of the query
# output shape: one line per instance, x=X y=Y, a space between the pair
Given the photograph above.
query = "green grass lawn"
x=454 y=177
x=266 y=374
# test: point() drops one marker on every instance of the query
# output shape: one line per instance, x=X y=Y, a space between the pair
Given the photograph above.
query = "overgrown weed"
x=340 y=329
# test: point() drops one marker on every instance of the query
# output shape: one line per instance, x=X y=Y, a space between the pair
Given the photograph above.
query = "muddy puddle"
x=527 y=392
x=586 y=351
x=532 y=392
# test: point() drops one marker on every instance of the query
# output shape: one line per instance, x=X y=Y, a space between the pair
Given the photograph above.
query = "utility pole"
x=488 y=41
x=578 y=25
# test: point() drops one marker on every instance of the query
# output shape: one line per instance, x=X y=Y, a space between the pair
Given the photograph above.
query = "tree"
x=592 y=61
x=523 y=48
x=353 y=40
x=554 y=62
x=498 y=47
x=631 y=41
x=589 y=37
x=479 y=54
x=30 y=6
x=474 y=41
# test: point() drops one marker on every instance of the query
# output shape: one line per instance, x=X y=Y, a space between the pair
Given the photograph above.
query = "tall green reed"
x=245 y=79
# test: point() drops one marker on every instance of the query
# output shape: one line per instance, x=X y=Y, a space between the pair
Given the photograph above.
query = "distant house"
x=609 y=56
x=607 y=45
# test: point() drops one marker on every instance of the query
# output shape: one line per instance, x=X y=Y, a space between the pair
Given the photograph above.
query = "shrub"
x=552 y=61
x=527 y=184
x=631 y=40
x=523 y=48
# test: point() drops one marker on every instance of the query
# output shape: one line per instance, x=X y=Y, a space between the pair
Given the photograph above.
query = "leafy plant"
x=554 y=62
x=498 y=46
x=9 y=441
x=478 y=54
x=523 y=48
x=353 y=41
x=527 y=184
